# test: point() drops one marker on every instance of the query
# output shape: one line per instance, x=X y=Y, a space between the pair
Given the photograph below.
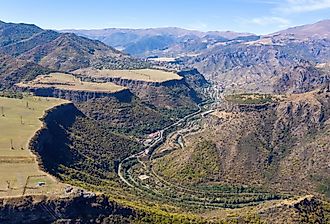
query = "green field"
x=252 y=98
x=19 y=120
x=69 y=82
x=147 y=75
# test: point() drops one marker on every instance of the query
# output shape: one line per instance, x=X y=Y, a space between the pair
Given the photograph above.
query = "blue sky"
x=257 y=16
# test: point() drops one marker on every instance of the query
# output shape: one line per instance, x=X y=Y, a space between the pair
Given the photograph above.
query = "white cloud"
x=269 y=21
x=282 y=11
x=300 y=6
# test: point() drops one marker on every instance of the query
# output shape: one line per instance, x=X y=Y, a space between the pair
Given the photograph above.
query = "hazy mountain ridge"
x=318 y=30
x=272 y=64
x=58 y=51
x=285 y=61
x=256 y=68
x=159 y=41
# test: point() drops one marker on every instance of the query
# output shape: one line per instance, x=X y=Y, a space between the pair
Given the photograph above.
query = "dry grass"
x=147 y=75
x=17 y=163
x=69 y=82
x=223 y=114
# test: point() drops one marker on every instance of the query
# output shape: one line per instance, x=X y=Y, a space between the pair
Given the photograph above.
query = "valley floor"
x=175 y=178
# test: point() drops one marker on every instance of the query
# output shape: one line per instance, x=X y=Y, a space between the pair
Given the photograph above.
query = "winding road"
x=181 y=194
x=150 y=150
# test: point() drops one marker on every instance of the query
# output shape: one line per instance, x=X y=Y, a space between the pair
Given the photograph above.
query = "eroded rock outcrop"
x=307 y=209
x=76 y=95
x=81 y=207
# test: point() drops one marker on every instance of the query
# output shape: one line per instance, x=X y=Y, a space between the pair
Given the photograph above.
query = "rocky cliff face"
x=194 y=79
x=75 y=208
x=237 y=108
x=133 y=83
x=279 y=146
x=183 y=93
x=65 y=142
x=53 y=146
x=76 y=95
x=306 y=209
x=287 y=67
x=56 y=123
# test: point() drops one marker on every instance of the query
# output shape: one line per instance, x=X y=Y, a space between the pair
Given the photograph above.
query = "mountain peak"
x=319 y=29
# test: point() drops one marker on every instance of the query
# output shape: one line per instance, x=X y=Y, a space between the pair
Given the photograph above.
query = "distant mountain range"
x=285 y=61
x=27 y=50
x=177 y=42
x=57 y=50
x=317 y=30
x=170 y=41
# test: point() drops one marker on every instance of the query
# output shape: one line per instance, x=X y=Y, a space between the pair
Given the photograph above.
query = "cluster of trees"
x=11 y=94
x=134 y=118
x=97 y=149
x=250 y=98
x=120 y=64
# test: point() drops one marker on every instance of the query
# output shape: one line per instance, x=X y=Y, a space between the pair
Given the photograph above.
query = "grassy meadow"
x=19 y=120
x=69 y=82
x=147 y=75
